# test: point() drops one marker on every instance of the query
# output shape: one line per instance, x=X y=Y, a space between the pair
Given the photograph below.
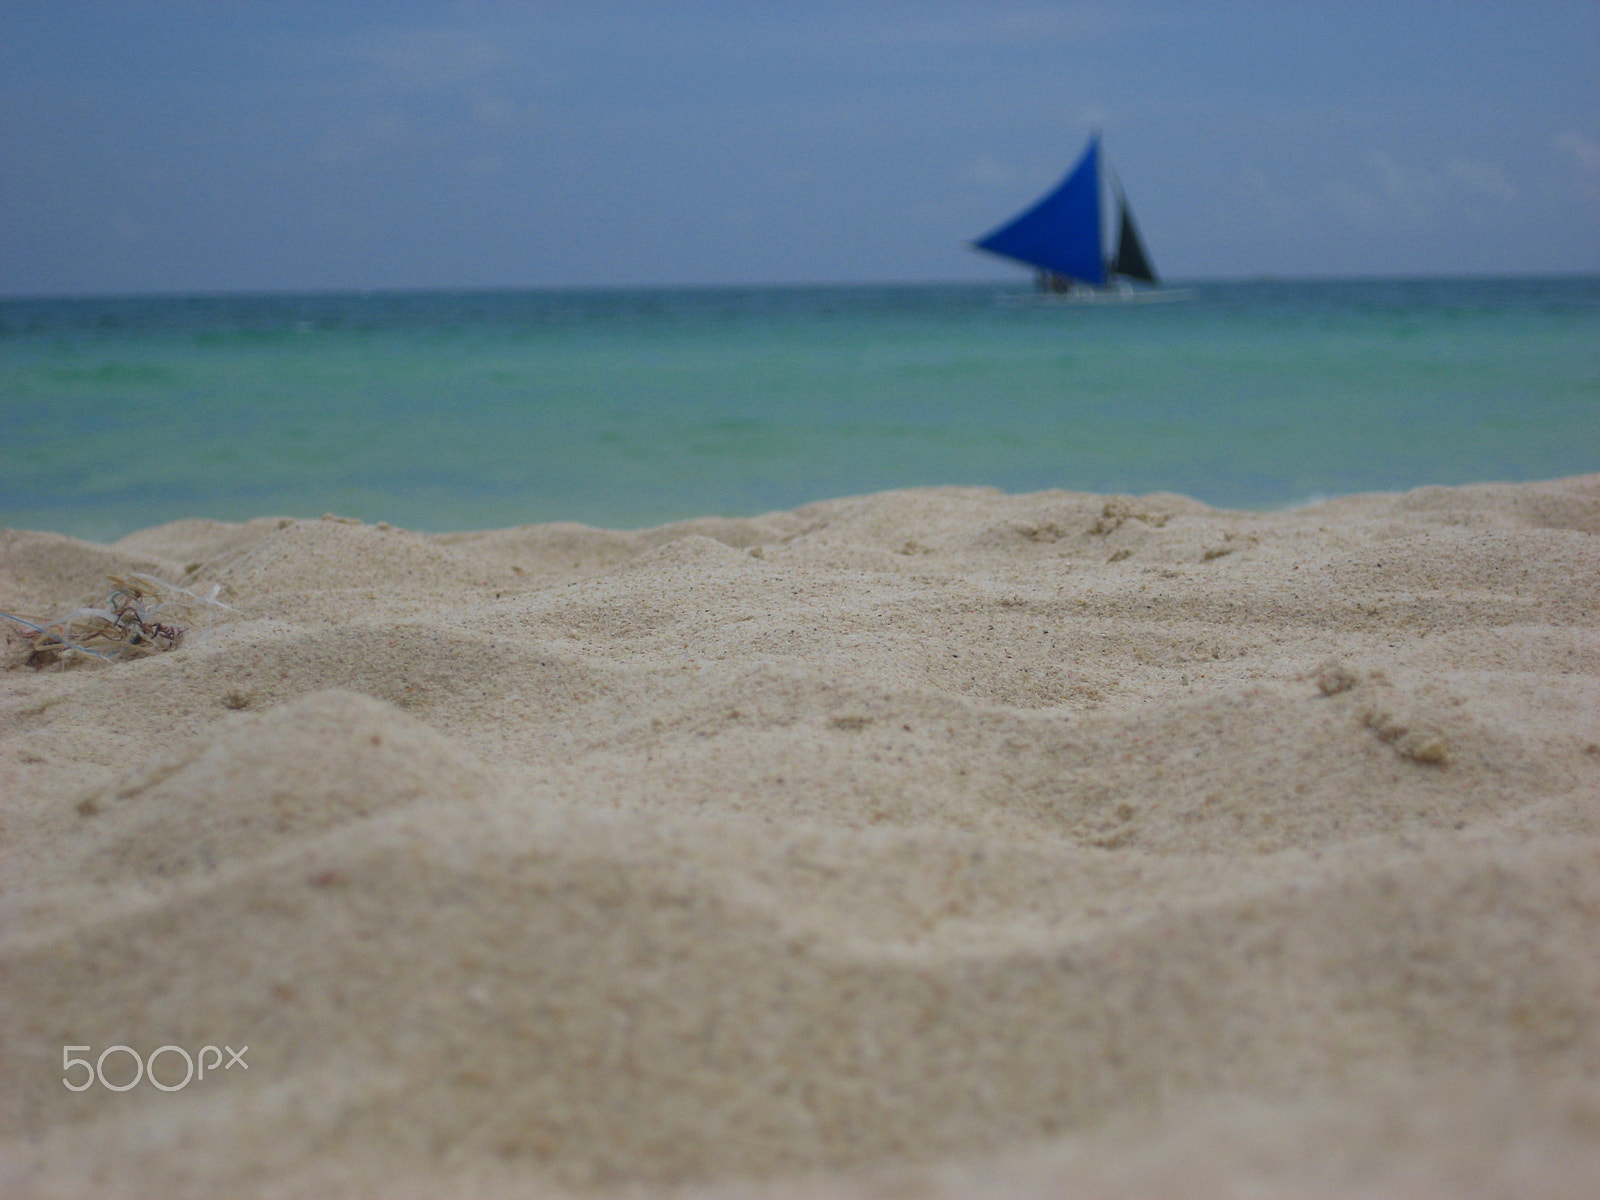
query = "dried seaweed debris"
x=142 y=615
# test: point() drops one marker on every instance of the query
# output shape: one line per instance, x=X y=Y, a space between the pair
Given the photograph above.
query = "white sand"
x=929 y=843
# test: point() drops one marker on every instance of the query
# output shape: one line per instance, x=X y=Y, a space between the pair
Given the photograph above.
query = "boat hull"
x=1099 y=296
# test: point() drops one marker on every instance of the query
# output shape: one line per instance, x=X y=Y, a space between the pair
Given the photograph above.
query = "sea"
x=448 y=410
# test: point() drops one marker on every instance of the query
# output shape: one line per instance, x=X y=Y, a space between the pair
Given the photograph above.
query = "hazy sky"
x=214 y=146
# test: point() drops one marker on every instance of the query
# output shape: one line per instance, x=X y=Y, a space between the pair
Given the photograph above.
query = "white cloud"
x=1033 y=25
x=1394 y=193
x=425 y=58
x=1484 y=180
x=1264 y=196
x=1584 y=151
x=1094 y=116
x=991 y=172
x=1390 y=192
x=1055 y=24
x=351 y=140
x=491 y=110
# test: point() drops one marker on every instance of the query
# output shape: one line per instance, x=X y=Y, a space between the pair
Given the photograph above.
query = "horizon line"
x=775 y=285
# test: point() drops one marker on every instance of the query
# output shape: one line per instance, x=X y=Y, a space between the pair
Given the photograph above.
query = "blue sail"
x=1061 y=233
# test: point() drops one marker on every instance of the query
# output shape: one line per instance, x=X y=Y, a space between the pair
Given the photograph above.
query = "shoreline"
x=942 y=840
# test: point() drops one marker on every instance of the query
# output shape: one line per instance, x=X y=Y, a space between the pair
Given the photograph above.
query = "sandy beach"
x=930 y=843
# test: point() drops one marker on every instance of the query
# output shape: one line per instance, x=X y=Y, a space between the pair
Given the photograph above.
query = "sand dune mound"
x=312 y=764
x=197 y=541
x=338 y=570
x=41 y=573
x=942 y=842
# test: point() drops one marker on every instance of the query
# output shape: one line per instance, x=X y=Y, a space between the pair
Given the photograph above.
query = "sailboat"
x=1062 y=238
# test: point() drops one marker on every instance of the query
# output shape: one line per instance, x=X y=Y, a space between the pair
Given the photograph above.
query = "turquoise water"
x=453 y=410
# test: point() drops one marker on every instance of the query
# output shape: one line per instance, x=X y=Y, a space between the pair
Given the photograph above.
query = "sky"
x=179 y=146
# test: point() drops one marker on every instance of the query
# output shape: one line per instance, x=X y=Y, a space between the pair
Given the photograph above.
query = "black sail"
x=1131 y=260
